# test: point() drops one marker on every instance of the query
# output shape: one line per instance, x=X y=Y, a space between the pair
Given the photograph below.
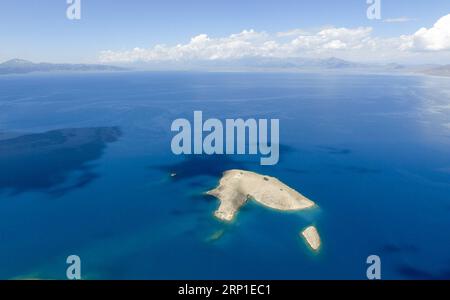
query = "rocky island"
x=236 y=187
x=312 y=237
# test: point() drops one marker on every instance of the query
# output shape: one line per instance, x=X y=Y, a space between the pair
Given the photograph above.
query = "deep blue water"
x=85 y=166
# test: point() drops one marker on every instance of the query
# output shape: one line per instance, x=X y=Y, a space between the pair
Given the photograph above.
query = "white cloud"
x=399 y=20
x=331 y=38
x=248 y=43
x=437 y=38
x=245 y=43
x=348 y=43
x=292 y=32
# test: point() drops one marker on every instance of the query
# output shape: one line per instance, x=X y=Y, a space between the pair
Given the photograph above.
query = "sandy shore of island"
x=236 y=187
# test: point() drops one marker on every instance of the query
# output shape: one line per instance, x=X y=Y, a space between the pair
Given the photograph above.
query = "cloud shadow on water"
x=414 y=273
x=214 y=165
x=335 y=150
x=399 y=248
x=45 y=161
x=202 y=165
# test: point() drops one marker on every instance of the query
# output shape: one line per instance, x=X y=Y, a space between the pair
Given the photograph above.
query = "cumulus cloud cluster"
x=436 y=38
x=332 y=41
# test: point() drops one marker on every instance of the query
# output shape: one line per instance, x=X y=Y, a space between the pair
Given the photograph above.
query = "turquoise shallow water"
x=371 y=150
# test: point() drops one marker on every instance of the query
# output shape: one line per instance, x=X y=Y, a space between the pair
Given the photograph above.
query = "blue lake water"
x=85 y=166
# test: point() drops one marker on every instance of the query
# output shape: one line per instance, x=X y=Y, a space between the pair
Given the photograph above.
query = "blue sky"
x=40 y=31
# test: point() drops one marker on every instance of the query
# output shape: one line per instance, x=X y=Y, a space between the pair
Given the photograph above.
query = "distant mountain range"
x=20 y=66
x=294 y=64
x=438 y=71
x=249 y=64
